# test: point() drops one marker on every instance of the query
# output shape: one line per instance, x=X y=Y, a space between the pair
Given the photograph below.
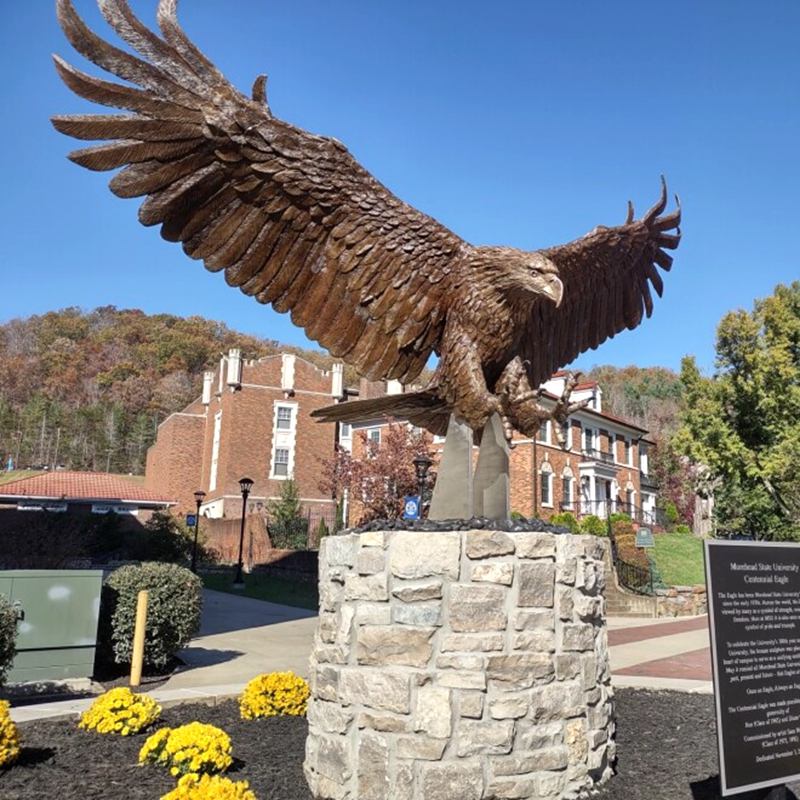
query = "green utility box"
x=57 y=628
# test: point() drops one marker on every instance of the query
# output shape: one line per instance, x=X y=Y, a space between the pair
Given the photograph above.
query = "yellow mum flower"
x=120 y=711
x=274 y=694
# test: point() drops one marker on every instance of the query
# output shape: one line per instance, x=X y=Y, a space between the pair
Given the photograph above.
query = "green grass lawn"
x=679 y=558
x=302 y=594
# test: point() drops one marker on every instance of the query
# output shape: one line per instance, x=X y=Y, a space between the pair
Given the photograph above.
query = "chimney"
x=208 y=379
x=287 y=373
x=394 y=387
x=337 y=381
x=234 y=368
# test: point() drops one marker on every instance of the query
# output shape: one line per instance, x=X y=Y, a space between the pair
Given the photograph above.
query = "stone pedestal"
x=459 y=666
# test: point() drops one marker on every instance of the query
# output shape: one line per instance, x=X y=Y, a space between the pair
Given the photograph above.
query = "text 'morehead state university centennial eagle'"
x=294 y=220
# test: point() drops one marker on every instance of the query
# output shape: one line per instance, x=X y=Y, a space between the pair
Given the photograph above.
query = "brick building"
x=597 y=464
x=252 y=420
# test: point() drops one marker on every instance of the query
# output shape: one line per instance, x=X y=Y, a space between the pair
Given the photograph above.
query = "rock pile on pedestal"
x=459 y=666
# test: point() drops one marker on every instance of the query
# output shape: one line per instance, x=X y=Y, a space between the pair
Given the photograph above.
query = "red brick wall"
x=172 y=467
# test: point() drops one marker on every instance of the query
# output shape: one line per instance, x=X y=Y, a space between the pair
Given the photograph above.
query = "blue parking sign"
x=411 y=507
x=191 y=520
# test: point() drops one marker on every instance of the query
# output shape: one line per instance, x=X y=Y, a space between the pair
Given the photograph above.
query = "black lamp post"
x=421 y=464
x=198 y=499
x=245 y=485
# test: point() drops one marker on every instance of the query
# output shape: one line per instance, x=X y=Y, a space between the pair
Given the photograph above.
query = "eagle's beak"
x=553 y=288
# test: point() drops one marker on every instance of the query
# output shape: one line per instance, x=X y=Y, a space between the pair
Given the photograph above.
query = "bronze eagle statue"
x=294 y=220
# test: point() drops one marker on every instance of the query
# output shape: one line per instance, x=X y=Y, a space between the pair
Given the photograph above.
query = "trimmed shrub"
x=594 y=525
x=274 y=694
x=209 y=787
x=8 y=636
x=625 y=537
x=9 y=737
x=682 y=528
x=322 y=530
x=194 y=748
x=173 y=610
x=120 y=711
x=567 y=519
x=619 y=516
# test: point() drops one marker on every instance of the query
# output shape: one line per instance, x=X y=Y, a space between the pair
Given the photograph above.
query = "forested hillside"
x=87 y=390
x=648 y=396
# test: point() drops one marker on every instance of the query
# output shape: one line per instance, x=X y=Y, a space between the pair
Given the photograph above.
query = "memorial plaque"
x=645 y=538
x=754 y=617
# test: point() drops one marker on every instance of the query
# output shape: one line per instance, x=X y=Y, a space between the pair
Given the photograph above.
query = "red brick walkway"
x=668 y=650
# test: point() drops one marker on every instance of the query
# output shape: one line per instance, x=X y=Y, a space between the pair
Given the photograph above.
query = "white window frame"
x=546 y=479
x=276 y=475
x=283 y=439
x=566 y=430
x=567 y=501
x=279 y=419
x=628 y=451
x=587 y=434
x=372 y=439
x=214 y=466
x=546 y=439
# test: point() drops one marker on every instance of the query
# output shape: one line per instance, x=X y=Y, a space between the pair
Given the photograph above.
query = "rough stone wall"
x=681 y=601
x=459 y=666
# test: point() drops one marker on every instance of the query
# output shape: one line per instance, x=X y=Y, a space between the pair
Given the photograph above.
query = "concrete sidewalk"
x=240 y=638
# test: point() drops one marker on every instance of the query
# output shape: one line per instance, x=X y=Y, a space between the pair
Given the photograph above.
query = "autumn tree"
x=743 y=423
x=377 y=476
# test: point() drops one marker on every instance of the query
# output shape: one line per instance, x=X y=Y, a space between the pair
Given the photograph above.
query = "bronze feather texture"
x=295 y=221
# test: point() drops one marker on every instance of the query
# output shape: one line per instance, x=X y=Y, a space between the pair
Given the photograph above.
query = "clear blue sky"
x=519 y=123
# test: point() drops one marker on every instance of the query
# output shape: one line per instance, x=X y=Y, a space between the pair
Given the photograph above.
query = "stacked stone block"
x=459 y=666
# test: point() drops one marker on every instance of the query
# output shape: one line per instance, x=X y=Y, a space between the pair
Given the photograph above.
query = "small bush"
x=322 y=530
x=594 y=526
x=194 y=748
x=619 y=516
x=9 y=737
x=274 y=694
x=120 y=711
x=682 y=528
x=516 y=515
x=8 y=636
x=209 y=787
x=567 y=519
x=173 y=611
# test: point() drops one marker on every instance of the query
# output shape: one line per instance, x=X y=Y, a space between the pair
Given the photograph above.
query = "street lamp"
x=245 y=485
x=421 y=465
x=198 y=499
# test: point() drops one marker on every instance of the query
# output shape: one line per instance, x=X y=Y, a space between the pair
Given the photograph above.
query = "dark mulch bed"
x=666 y=751
x=61 y=761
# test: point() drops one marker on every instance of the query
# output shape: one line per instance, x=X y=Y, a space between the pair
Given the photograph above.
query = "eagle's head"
x=543 y=277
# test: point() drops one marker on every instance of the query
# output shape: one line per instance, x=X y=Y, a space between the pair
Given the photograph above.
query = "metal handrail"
x=598 y=455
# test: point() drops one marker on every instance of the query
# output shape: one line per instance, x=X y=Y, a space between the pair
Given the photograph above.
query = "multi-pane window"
x=588 y=440
x=345 y=430
x=628 y=452
x=546 y=487
x=566 y=434
x=566 y=491
x=283 y=421
x=374 y=435
x=544 y=432
x=281 y=465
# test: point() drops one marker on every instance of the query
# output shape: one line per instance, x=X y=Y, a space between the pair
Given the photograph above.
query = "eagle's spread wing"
x=607 y=276
x=291 y=217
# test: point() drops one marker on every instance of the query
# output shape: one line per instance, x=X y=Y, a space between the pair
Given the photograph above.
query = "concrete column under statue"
x=459 y=665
